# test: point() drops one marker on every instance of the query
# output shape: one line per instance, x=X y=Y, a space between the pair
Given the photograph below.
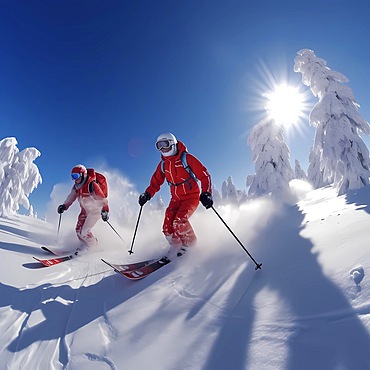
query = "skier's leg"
x=181 y=225
x=167 y=228
x=86 y=221
x=80 y=222
x=183 y=232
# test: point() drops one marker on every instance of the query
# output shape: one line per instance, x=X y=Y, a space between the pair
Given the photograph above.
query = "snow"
x=308 y=308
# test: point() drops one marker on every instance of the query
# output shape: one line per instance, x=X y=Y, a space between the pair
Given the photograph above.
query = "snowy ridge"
x=308 y=308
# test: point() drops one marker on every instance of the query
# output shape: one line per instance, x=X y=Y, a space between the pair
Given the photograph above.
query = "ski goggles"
x=163 y=144
x=76 y=176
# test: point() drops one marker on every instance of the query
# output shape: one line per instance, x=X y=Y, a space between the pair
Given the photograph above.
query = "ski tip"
x=33 y=265
x=107 y=263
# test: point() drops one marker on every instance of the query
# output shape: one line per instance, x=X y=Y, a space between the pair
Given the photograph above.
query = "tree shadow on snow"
x=16 y=229
x=64 y=309
x=360 y=197
x=230 y=349
x=19 y=248
x=324 y=330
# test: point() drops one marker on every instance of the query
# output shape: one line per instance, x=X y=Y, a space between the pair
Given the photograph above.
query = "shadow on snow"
x=325 y=331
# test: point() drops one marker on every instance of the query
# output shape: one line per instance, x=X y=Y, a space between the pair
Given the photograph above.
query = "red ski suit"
x=184 y=194
x=92 y=203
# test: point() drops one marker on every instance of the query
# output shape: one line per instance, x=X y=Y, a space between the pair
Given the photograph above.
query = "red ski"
x=129 y=266
x=53 y=261
x=140 y=272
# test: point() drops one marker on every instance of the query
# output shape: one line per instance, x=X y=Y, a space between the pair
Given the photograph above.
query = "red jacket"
x=91 y=201
x=182 y=185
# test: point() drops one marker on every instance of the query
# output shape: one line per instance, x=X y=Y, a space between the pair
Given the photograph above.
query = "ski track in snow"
x=107 y=332
x=58 y=283
x=217 y=296
x=64 y=350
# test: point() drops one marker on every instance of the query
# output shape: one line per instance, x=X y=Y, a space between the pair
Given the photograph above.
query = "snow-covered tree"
x=271 y=157
x=228 y=191
x=299 y=172
x=31 y=213
x=216 y=195
x=339 y=155
x=19 y=176
x=160 y=204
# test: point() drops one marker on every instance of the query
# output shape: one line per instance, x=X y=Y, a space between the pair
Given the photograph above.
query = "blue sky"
x=95 y=82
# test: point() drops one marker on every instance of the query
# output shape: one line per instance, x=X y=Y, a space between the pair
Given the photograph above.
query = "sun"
x=280 y=97
x=285 y=105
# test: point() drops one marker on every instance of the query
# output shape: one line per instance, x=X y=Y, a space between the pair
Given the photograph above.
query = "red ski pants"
x=176 y=225
x=86 y=221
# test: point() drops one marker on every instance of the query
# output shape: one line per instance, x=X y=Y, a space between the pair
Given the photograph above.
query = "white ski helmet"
x=167 y=144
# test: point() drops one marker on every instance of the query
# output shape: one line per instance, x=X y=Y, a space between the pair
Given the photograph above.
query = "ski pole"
x=115 y=231
x=258 y=265
x=60 y=220
x=137 y=224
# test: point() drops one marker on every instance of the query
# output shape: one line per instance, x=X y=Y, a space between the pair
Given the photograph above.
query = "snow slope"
x=308 y=308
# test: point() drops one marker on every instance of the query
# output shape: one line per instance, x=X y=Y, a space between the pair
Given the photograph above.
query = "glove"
x=206 y=199
x=104 y=216
x=61 y=208
x=144 y=197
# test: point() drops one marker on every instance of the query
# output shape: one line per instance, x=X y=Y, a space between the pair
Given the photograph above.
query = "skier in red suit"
x=91 y=190
x=185 y=192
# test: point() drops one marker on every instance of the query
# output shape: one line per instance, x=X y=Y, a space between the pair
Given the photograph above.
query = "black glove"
x=105 y=216
x=61 y=208
x=144 y=197
x=206 y=199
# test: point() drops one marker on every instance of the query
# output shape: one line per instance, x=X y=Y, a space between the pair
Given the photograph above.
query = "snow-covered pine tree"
x=19 y=176
x=299 y=172
x=229 y=192
x=160 y=204
x=271 y=157
x=216 y=195
x=339 y=155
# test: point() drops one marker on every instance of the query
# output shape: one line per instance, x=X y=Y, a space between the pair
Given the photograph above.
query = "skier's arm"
x=156 y=181
x=100 y=190
x=95 y=188
x=70 y=198
x=201 y=173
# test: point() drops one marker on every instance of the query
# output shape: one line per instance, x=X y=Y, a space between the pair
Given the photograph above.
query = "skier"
x=91 y=190
x=181 y=170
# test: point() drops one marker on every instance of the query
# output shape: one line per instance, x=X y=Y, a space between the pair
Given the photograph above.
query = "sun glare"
x=285 y=105
x=278 y=96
